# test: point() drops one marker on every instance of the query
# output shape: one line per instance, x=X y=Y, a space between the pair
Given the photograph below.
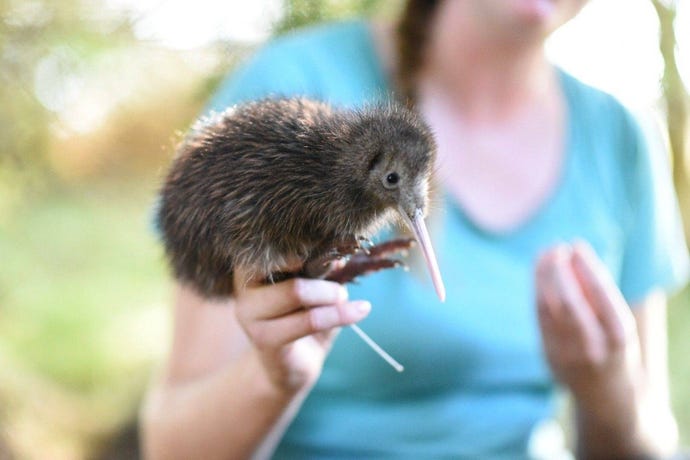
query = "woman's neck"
x=489 y=90
x=487 y=74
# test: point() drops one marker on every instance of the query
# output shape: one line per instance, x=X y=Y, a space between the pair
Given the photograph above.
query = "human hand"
x=588 y=331
x=292 y=324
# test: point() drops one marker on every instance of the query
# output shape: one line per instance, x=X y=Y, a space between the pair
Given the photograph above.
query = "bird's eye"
x=392 y=179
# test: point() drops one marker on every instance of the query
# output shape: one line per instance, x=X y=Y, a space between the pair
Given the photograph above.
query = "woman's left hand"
x=588 y=331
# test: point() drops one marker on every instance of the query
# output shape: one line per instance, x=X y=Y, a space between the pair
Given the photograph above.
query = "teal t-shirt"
x=475 y=382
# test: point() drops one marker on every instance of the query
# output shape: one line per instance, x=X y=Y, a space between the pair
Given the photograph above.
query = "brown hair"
x=412 y=34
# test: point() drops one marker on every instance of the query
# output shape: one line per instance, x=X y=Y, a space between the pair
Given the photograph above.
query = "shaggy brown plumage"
x=284 y=179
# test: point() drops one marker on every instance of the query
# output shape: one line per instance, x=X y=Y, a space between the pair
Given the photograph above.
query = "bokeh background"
x=93 y=96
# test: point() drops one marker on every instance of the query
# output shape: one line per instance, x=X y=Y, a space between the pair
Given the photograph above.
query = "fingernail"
x=363 y=306
x=360 y=308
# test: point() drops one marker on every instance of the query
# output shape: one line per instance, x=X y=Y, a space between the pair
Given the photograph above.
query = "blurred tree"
x=677 y=104
x=44 y=45
x=298 y=13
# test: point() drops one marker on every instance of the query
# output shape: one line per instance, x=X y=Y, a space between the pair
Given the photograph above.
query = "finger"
x=554 y=332
x=541 y=280
x=576 y=309
x=547 y=323
x=276 y=332
x=547 y=301
x=568 y=307
x=603 y=294
x=275 y=300
x=326 y=338
x=549 y=291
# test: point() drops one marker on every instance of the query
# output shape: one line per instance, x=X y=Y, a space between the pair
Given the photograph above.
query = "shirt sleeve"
x=655 y=254
x=332 y=62
x=274 y=70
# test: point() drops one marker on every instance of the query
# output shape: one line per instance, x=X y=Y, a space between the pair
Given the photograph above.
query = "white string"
x=374 y=346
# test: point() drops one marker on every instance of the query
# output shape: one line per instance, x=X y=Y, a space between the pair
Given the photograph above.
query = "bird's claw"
x=376 y=258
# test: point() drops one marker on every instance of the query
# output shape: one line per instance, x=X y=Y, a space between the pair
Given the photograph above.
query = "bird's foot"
x=375 y=258
x=356 y=256
x=323 y=263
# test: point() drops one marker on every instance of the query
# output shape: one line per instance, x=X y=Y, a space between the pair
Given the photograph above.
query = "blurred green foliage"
x=86 y=123
x=41 y=41
x=299 y=13
x=83 y=316
x=79 y=263
x=679 y=364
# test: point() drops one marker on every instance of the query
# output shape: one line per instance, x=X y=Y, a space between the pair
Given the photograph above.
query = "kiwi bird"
x=269 y=182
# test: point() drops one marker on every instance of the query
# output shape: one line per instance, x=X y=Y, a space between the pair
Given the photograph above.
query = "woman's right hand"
x=292 y=324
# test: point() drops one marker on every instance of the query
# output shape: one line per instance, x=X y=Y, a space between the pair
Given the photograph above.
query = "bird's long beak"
x=416 y=224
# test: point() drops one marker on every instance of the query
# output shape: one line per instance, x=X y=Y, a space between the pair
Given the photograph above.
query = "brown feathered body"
x=284 y=179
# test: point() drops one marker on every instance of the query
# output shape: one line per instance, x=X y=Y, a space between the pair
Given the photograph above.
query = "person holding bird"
x=557 y=234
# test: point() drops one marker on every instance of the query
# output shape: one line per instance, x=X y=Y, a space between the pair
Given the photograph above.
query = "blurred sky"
x=605 y=45
x=612 y=44
x=184 y=24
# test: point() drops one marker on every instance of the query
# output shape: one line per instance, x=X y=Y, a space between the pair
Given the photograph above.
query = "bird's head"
x=398 y=151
